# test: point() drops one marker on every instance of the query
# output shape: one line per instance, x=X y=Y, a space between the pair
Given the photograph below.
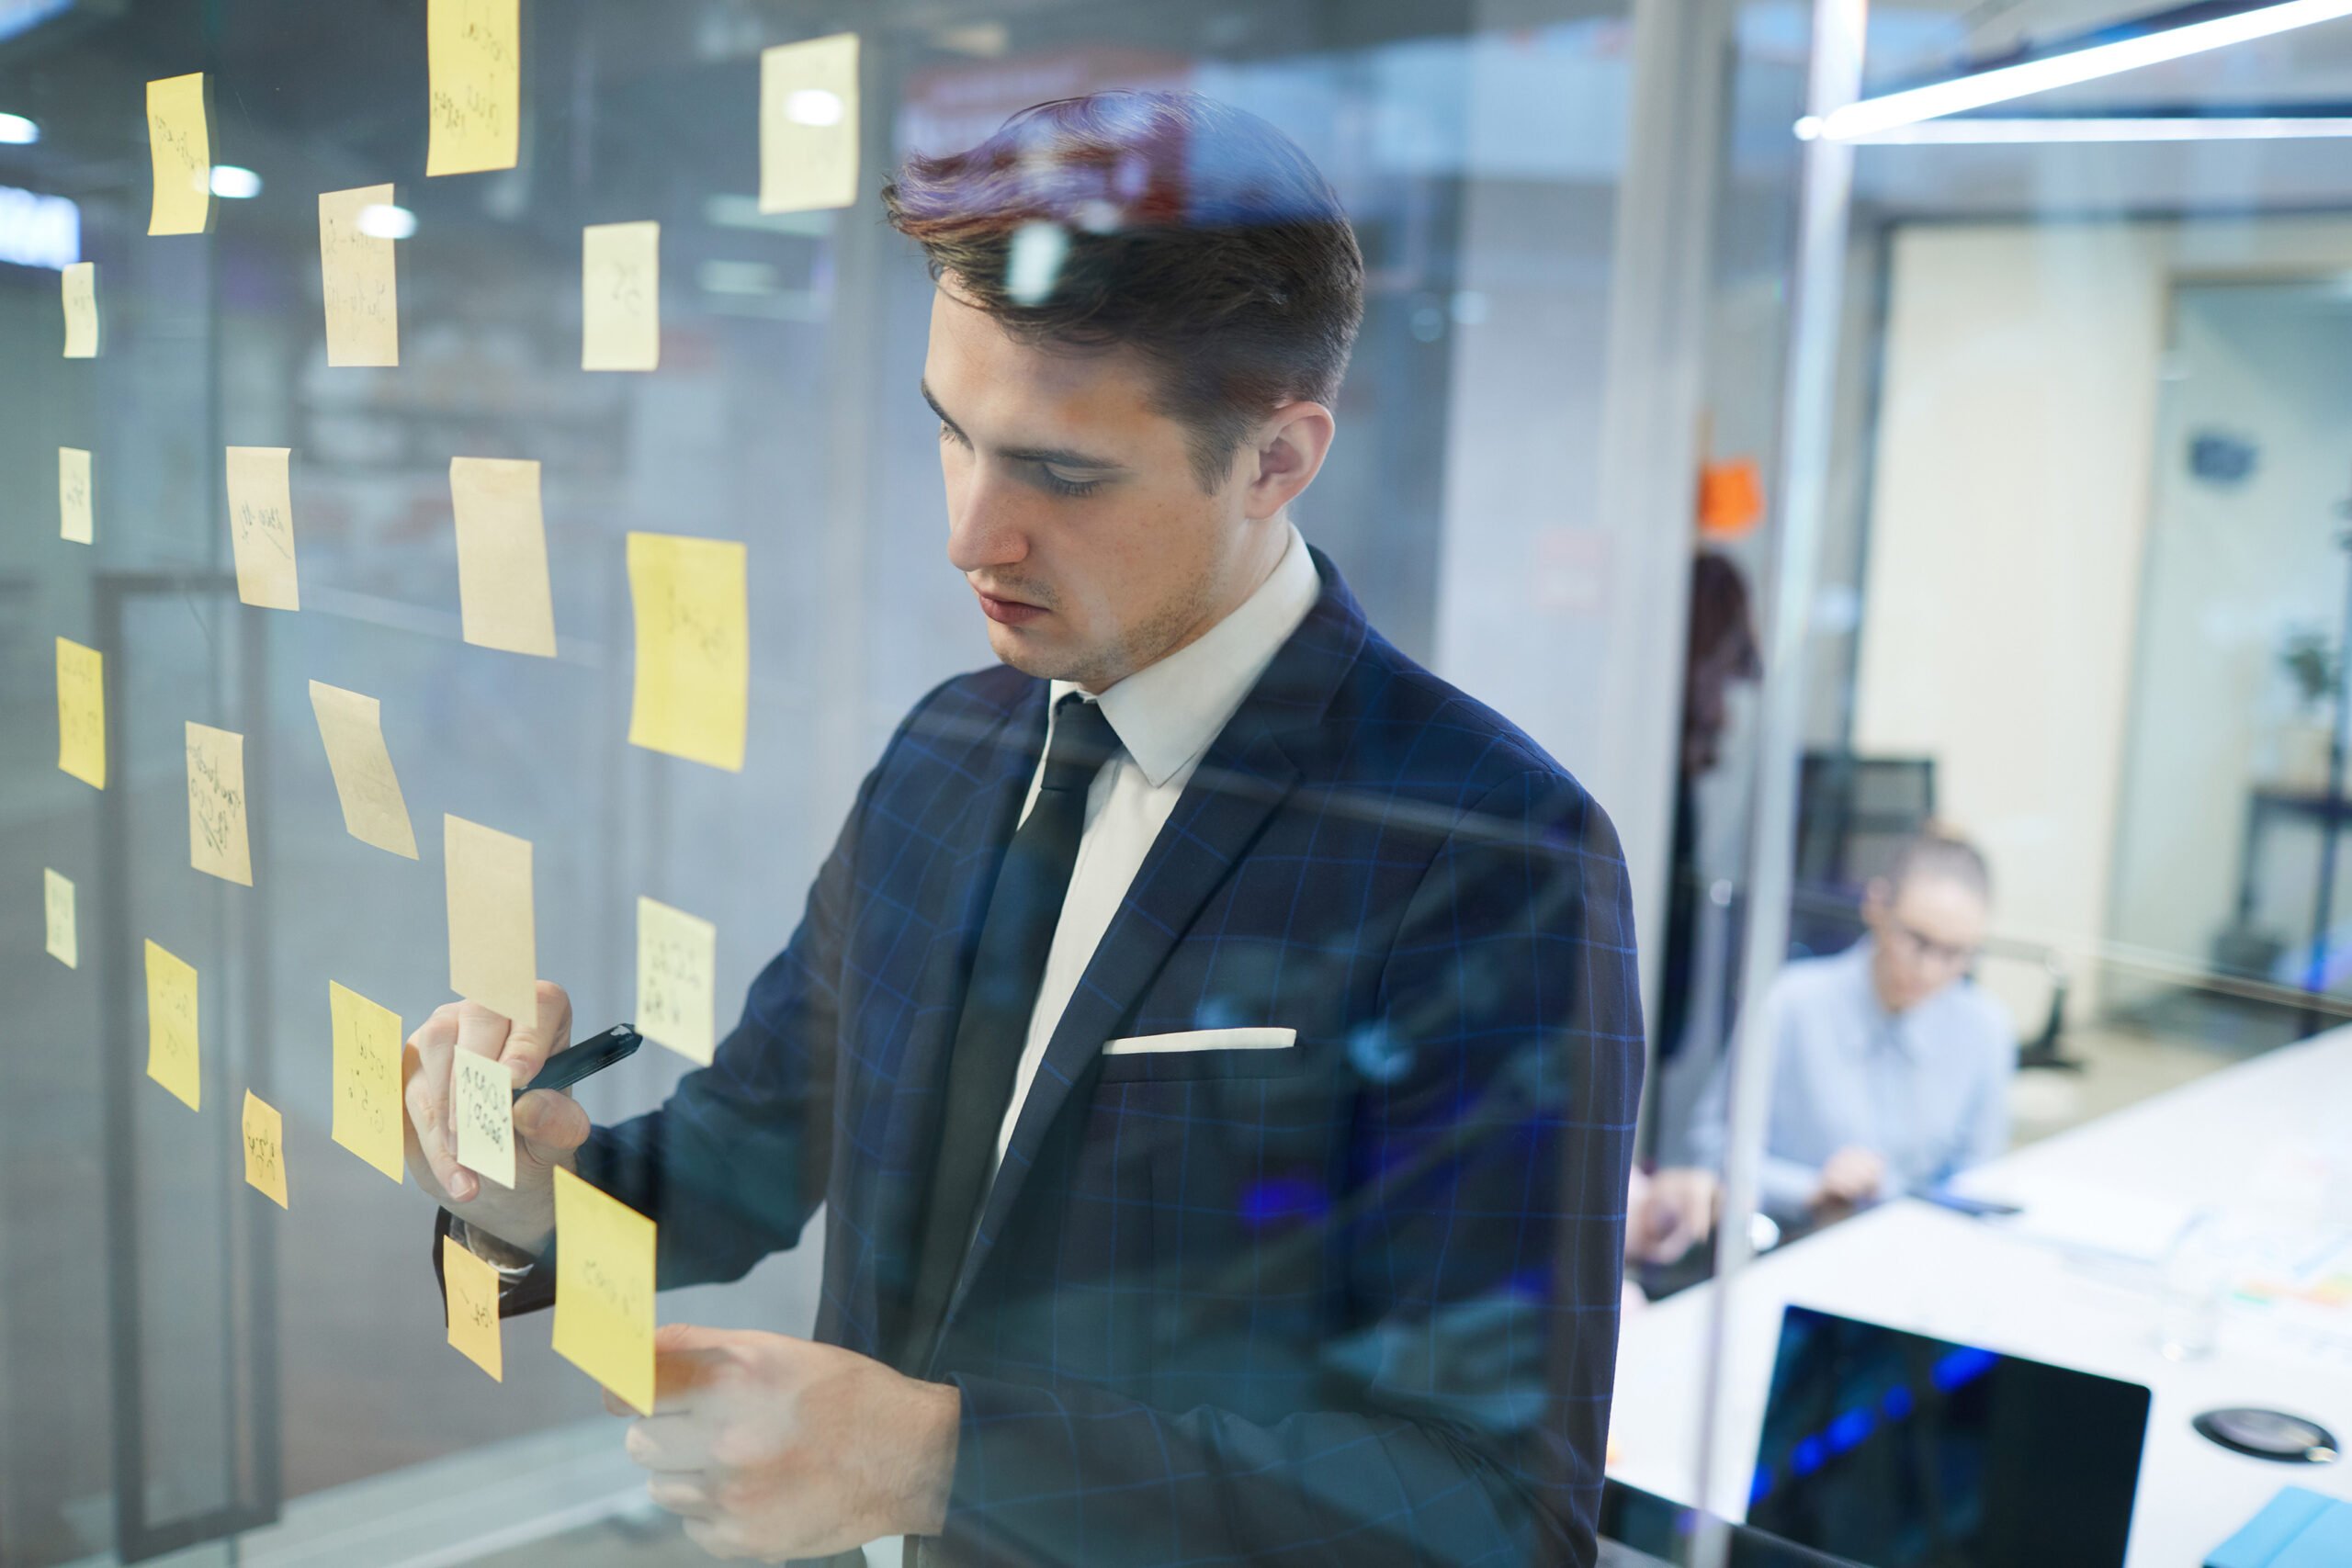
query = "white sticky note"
x=677 y=956
x=482 y=1095
x=76 y=513
x=80 y=289
x=57 y=914
x=809 y=124
x=620 y=297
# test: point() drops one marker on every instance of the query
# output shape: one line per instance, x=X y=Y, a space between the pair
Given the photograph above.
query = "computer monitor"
x=1897 y=1451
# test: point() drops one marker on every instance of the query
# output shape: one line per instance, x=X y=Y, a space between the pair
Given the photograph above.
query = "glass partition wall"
x=1910 y=497
x=2058 y=573
x=191 y=1367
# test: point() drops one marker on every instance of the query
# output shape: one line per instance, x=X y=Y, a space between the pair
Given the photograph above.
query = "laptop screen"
x=1900 y=1451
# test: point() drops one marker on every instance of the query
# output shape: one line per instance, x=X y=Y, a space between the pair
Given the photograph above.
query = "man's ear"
x=1877 y=898
x=1288 y=452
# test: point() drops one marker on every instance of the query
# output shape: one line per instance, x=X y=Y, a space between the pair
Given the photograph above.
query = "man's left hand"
x=771 y=1447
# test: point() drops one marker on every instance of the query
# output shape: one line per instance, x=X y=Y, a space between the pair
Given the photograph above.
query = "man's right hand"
x=548 y=1123
x=1850 y=1177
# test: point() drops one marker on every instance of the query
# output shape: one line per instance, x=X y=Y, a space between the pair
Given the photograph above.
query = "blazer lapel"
x=1249 y=771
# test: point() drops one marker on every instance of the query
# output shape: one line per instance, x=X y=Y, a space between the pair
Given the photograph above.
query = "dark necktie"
x=1007 y=967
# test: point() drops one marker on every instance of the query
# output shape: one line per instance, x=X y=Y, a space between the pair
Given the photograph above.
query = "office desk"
x=2215 y=1144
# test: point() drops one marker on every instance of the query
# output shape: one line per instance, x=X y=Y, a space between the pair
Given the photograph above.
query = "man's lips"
x=1008 y=612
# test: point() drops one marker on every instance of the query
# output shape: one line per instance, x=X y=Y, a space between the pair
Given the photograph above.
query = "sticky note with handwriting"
x=472 y=1306
x=172 y=1056
x=76 y=515
x=677 y=956
x=494 y=946
x=603 y=1289
x=264 y=1148
x=82 y=712
x=693 y=648
x=352 y=727
x=504 y=599
x=57 y=916
x=216 y=804
x=261 y=527
x=473 y=55
x=80 y=289
x=809 y=124
x=620 y=297
x=368 y=1118
x=482 y=1092
x=357 y=279
x=180 y=147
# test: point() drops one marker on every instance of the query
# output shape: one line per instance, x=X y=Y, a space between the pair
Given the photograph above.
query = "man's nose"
x=983 y=528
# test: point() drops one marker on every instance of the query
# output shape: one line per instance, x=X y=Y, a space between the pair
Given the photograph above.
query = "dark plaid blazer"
x=1350 y=1301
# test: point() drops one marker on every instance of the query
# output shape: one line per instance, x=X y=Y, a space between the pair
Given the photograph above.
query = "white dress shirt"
x=1165 y=715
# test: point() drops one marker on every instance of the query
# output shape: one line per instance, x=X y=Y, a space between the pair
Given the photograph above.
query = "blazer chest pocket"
x=1200 y=1054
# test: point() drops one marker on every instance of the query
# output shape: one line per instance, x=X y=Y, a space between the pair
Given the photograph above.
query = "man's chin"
x=1034 y=654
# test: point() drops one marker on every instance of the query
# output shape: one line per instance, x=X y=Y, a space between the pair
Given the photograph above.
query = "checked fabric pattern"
x=1353 y=1302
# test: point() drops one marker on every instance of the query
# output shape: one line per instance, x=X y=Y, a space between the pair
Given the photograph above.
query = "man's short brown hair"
x=1196 y=234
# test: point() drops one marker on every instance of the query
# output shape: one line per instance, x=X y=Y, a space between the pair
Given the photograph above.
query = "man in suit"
x=1214 y=1037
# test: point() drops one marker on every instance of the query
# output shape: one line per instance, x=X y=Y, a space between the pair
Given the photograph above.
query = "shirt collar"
x=1166 y=714
x=1895 y=1027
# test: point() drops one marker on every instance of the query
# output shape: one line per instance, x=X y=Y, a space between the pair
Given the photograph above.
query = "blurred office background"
x=2081 y=594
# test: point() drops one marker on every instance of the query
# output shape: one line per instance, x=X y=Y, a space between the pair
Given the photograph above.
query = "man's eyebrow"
x=1060 y=457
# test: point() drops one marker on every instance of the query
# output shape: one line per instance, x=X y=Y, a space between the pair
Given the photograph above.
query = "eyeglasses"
x=1943 y=954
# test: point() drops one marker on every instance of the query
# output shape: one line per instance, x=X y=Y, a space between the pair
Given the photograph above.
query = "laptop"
x=1896 y=1450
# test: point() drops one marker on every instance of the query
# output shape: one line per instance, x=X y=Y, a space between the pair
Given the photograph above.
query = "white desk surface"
x=2218 y=1143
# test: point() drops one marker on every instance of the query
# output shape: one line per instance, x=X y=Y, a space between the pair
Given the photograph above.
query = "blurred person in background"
x=1891 y=1068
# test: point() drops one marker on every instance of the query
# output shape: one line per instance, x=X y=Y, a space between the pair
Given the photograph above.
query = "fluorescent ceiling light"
x=386 y=223
x=2167 y=128
x=2000 y=86
x=15 y=131
x=234 y=184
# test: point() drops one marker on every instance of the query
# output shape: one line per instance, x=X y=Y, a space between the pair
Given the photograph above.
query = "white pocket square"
x=1202 y=1040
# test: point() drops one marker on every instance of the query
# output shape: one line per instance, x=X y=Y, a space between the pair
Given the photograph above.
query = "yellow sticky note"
x=677 y=959
x=216 y=804
x=472 y=1305
x=603 y=1289
x=82 y=712
x=693 y=648
x=261 y=527
x=504 y=599
x=181 y=151
x=620 y=297
x=57 y=912
x=171 y=1058
x=374 y=810
x=356 y=279
x=809 y=124
x=264 y=1148
x=494 y=948
x=76 y=514
x=483 y=1092
x=80 y=293
x=473 y=50
x=368 y=1119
